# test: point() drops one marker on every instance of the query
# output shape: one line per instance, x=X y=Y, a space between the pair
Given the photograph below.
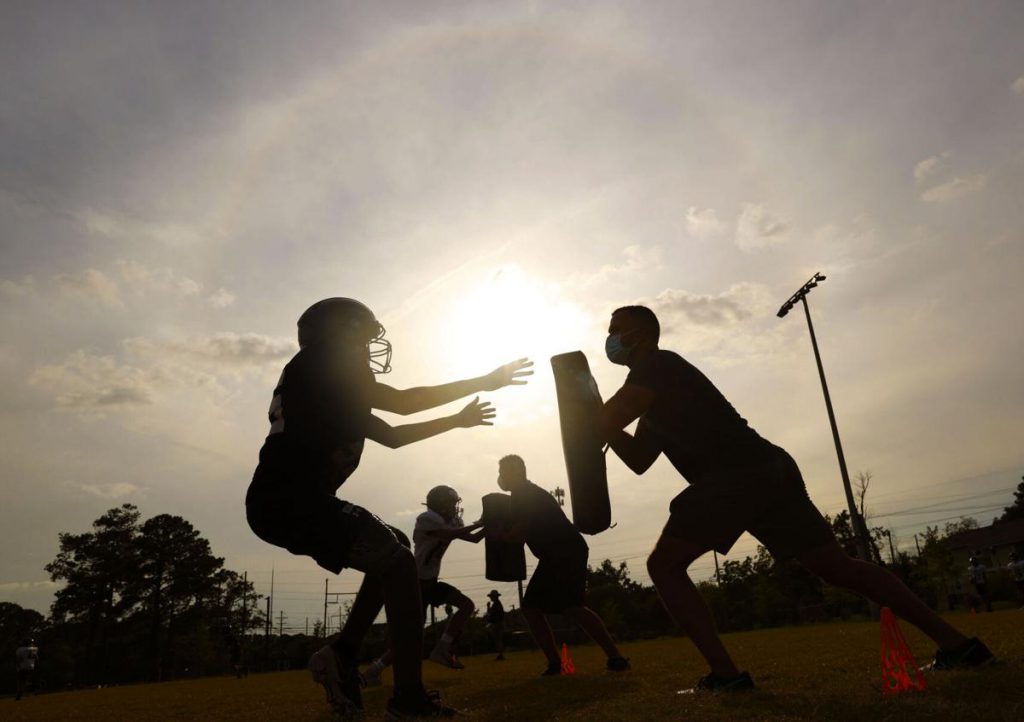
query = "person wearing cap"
x=495 y=617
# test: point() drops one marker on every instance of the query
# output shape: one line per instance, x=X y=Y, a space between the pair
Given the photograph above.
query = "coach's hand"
x=475 y=413
x=511 y=374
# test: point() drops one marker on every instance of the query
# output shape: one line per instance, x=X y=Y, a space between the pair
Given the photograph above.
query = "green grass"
x=825 y=672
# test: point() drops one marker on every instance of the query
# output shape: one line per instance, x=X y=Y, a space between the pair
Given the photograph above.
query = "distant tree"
x=98 y=568
x=1016 y=509
x=178 y=574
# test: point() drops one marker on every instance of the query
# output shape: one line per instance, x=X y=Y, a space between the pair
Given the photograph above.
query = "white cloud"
x=758 y=228
x=115 y=490
x=86 y=381
x=637 y=263
x=929 y=166
x=956 y=188
x=17 y=289
x=221 y=299
x=738 y=303
x=227 y=348
x=144 y=280
x=121 y=227
x=704 y=223
x=91 y=284
x=1018 y=86
x=21 y=586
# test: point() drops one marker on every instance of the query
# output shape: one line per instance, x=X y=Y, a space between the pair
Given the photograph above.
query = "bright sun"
x=510 y=314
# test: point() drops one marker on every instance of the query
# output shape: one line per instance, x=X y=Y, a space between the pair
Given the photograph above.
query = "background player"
x=738 y=482
x=559 y=583
x=320 y=416
x=495 y=617
x=435 y=529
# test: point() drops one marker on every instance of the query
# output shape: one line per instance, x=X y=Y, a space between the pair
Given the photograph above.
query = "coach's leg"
x=667 y=566
x=542 y=634
x=593 y=625
x=839 y=569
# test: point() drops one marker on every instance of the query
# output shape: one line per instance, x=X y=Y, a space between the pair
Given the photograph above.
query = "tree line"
x=148 y=600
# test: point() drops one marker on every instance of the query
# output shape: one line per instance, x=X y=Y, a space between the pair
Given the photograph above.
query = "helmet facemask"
x=378 y=350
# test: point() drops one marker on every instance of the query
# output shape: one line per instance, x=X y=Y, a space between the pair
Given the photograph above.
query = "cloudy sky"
x=179 y=181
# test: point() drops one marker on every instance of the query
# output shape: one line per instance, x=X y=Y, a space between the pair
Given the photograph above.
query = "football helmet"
x=346 y=320
x=445 y=501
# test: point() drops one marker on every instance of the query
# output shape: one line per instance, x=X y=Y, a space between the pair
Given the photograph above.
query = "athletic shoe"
x=716 y=683
x=554 y=669
x=446 y=657
x=618 y=664
x=370 y=677
x=972 y=653
x=427 y=705
x=340 y=679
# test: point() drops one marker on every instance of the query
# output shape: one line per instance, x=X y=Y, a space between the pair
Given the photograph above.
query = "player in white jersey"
x=26 y=657
x=435 y=530
x=977 y=571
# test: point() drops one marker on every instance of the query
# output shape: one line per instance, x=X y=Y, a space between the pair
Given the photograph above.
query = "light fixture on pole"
x=859 y=528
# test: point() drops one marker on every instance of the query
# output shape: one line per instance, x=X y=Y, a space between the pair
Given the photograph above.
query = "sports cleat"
x=972 y=653
x=714 y=683
x=427 y=705
x=446 y=657
x=618 y=664
x=340 y=679
x=554 y=669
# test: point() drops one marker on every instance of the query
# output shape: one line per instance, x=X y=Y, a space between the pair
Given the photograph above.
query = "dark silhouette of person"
x=1016 y=568
x=26 y=657
x=558 y=584
x=320 y=415
x=978 y=574
x=738 y=481
x=495 y=618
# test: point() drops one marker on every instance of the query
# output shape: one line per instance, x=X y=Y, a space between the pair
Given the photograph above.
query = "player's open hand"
x=476 y=413
x=511 y=374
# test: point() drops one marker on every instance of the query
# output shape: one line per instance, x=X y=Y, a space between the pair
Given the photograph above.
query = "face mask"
x=615 y=350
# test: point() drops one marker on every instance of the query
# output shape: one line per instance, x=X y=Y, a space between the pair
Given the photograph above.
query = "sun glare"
x=507 y=315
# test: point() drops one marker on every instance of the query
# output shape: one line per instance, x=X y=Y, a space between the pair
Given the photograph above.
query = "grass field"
x=825 y=672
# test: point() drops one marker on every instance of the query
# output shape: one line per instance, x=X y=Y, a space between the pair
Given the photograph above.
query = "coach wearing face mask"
x=738 y=482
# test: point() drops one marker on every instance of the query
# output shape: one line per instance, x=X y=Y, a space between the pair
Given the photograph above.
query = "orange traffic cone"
x=900 y=672
x=567 y=666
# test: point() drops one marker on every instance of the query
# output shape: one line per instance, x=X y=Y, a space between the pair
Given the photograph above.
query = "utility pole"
x=718 y=576
x=325 y=607
x=918 y=545
x=859 y=528
x=559 y=494
x=280 y=624
x=245 y=617
x=520 y=583
x=892 y=552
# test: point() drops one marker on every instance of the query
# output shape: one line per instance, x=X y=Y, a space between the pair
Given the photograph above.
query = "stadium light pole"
x=859 y=528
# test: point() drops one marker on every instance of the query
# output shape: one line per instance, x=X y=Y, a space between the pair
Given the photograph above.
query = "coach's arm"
x=628 y=404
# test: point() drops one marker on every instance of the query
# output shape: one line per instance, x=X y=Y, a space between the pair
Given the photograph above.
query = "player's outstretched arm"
x=629 y=403
x=475 y=413
x=421 y=398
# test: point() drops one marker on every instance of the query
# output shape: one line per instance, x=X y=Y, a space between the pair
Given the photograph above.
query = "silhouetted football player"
x=320 y=416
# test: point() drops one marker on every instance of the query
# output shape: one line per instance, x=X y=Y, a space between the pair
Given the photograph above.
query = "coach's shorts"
x=559 y=582
x=770 y=501
x=333 y=532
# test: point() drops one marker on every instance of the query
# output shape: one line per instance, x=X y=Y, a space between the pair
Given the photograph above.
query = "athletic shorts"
x=435 y=593
x=559 y=582
x=770 y=501
x=335 y=533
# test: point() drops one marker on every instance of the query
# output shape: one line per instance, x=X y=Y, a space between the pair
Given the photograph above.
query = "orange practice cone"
x=900 y=672
x=567 y=666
